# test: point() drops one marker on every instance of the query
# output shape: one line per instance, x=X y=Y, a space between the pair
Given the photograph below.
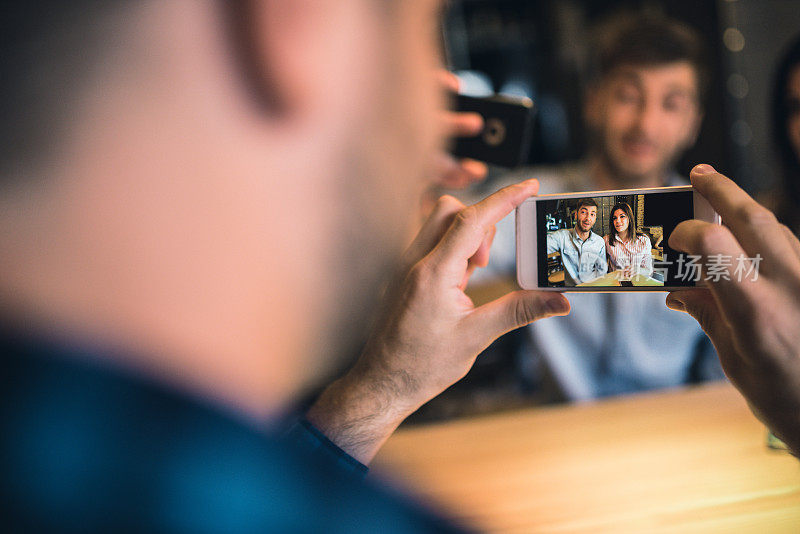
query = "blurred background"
x=540 y=49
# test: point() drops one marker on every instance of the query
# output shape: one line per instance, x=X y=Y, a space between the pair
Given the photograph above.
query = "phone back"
x=506 y=136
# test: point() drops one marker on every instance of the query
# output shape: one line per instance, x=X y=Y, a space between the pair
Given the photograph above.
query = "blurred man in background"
x=643 y=109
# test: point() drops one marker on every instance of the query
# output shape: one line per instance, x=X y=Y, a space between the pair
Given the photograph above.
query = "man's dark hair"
x=644 y=40
x=48 y=49
x=585 y=202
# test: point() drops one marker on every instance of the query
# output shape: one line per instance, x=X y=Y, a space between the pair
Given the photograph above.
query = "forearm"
x=359 y=412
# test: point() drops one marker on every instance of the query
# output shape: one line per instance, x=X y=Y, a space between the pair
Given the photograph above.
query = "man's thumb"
x=702 y=306
x=517 y=309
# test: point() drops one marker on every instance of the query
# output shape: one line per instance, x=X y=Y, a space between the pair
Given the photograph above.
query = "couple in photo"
x=587 y=256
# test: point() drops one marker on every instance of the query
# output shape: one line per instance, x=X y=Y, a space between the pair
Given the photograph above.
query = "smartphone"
x=608 y=240
x=506 y=136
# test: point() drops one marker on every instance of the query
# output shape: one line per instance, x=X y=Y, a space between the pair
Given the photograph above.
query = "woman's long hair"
x=789 y=159
x=633 y=231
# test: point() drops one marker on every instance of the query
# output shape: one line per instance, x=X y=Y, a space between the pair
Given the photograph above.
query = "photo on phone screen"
x=612 y=240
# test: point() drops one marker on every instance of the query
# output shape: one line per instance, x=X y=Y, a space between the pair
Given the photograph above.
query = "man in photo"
x=583 y=252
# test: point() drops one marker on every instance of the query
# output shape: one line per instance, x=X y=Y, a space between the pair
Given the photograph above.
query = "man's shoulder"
x=126 y=452
x=561 y=234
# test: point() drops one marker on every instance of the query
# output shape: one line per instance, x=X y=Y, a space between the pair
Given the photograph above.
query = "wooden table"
x=691 y=460
x=612 y=279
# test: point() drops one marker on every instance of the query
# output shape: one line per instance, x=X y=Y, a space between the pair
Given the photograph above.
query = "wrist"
x=359 y=411
x=391 y=394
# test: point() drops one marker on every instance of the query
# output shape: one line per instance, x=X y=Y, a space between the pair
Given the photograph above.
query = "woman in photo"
x=628 y=249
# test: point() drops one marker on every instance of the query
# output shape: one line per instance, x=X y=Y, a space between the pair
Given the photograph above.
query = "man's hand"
x=755 y=325
x=430 y=332
x=452 y=173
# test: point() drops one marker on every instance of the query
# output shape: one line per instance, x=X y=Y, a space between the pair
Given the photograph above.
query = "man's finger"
x=718 y=250
x=433 y=228
x=470 y=226
x=462 y=124
x=467 y=274
x=449 y=80
x=457 y=174
x=704 y=308
x=474 y=170
x=734 y=285
x=514 y=310
x=793 y=241
x=479 y=259
x=754 y=226
x=481 y=256
x=703 y=238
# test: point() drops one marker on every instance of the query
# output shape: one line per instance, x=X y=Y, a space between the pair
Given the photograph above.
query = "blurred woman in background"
x=786 y=135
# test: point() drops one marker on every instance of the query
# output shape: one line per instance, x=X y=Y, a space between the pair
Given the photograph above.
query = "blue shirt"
x=86 y=448
x=584 y=260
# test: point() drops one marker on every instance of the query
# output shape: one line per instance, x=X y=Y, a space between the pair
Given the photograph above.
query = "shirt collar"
x=577 y=237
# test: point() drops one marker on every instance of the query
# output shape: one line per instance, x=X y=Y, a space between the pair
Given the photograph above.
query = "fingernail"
x=557 y=305
x=703 y=168
x=675 y=304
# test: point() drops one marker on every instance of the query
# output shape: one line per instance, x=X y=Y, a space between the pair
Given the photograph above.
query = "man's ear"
x=266 y=36
x=294 y=53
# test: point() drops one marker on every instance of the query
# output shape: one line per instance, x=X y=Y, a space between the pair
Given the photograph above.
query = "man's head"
x=585 y=214
x=643 y=108
x=213 y=185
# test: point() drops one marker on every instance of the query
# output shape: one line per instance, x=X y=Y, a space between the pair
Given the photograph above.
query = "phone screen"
x=615 y=240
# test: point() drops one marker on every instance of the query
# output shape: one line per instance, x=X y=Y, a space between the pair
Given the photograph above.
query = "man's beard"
x=373 y=225
x=626 y=178
x=365 y=261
